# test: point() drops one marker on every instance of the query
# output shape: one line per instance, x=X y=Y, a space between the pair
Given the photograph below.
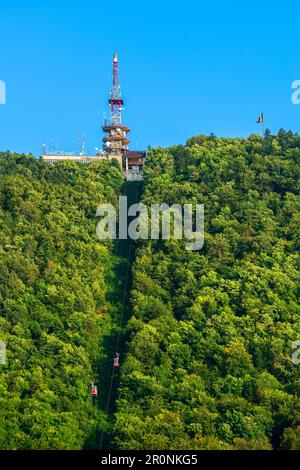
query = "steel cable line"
x=121 y=320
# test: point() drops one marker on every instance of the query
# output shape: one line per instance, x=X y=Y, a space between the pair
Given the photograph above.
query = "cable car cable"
x=121 y=320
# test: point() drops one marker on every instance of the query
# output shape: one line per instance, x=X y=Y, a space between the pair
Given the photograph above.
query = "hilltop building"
x=115 y=141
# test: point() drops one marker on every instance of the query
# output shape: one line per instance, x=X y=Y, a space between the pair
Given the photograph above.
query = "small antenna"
x=83 y=144
x=79 y=139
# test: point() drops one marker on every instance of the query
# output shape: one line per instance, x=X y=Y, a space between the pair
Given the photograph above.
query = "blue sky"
x=185 y=67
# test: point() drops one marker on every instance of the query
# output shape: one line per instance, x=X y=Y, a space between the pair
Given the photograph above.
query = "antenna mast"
x=115 y=141
x=115 y=101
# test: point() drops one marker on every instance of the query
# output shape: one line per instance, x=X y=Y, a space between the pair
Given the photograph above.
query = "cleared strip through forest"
x=119 y=295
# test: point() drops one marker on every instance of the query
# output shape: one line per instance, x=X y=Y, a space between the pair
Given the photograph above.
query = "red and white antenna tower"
x=115 y=141
x=115 y=101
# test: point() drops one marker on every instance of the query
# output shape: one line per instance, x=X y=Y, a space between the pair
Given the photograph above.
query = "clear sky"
x=186 y=68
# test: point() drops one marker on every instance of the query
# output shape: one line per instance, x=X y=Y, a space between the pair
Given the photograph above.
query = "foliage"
x=209 y=361
x=53 y=286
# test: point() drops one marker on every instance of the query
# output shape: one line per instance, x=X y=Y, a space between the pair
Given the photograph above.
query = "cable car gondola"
x=94 y=390
x=116 y=360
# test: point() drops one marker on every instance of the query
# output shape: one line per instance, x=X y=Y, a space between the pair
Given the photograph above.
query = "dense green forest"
x=206 y=340
x=54 y=281
x=209 y=357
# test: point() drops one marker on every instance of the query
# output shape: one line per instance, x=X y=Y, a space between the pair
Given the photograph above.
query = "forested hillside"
x=209 y=361
x=53 y=283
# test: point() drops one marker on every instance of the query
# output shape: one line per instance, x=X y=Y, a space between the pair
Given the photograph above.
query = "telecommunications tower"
x=115 y=140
